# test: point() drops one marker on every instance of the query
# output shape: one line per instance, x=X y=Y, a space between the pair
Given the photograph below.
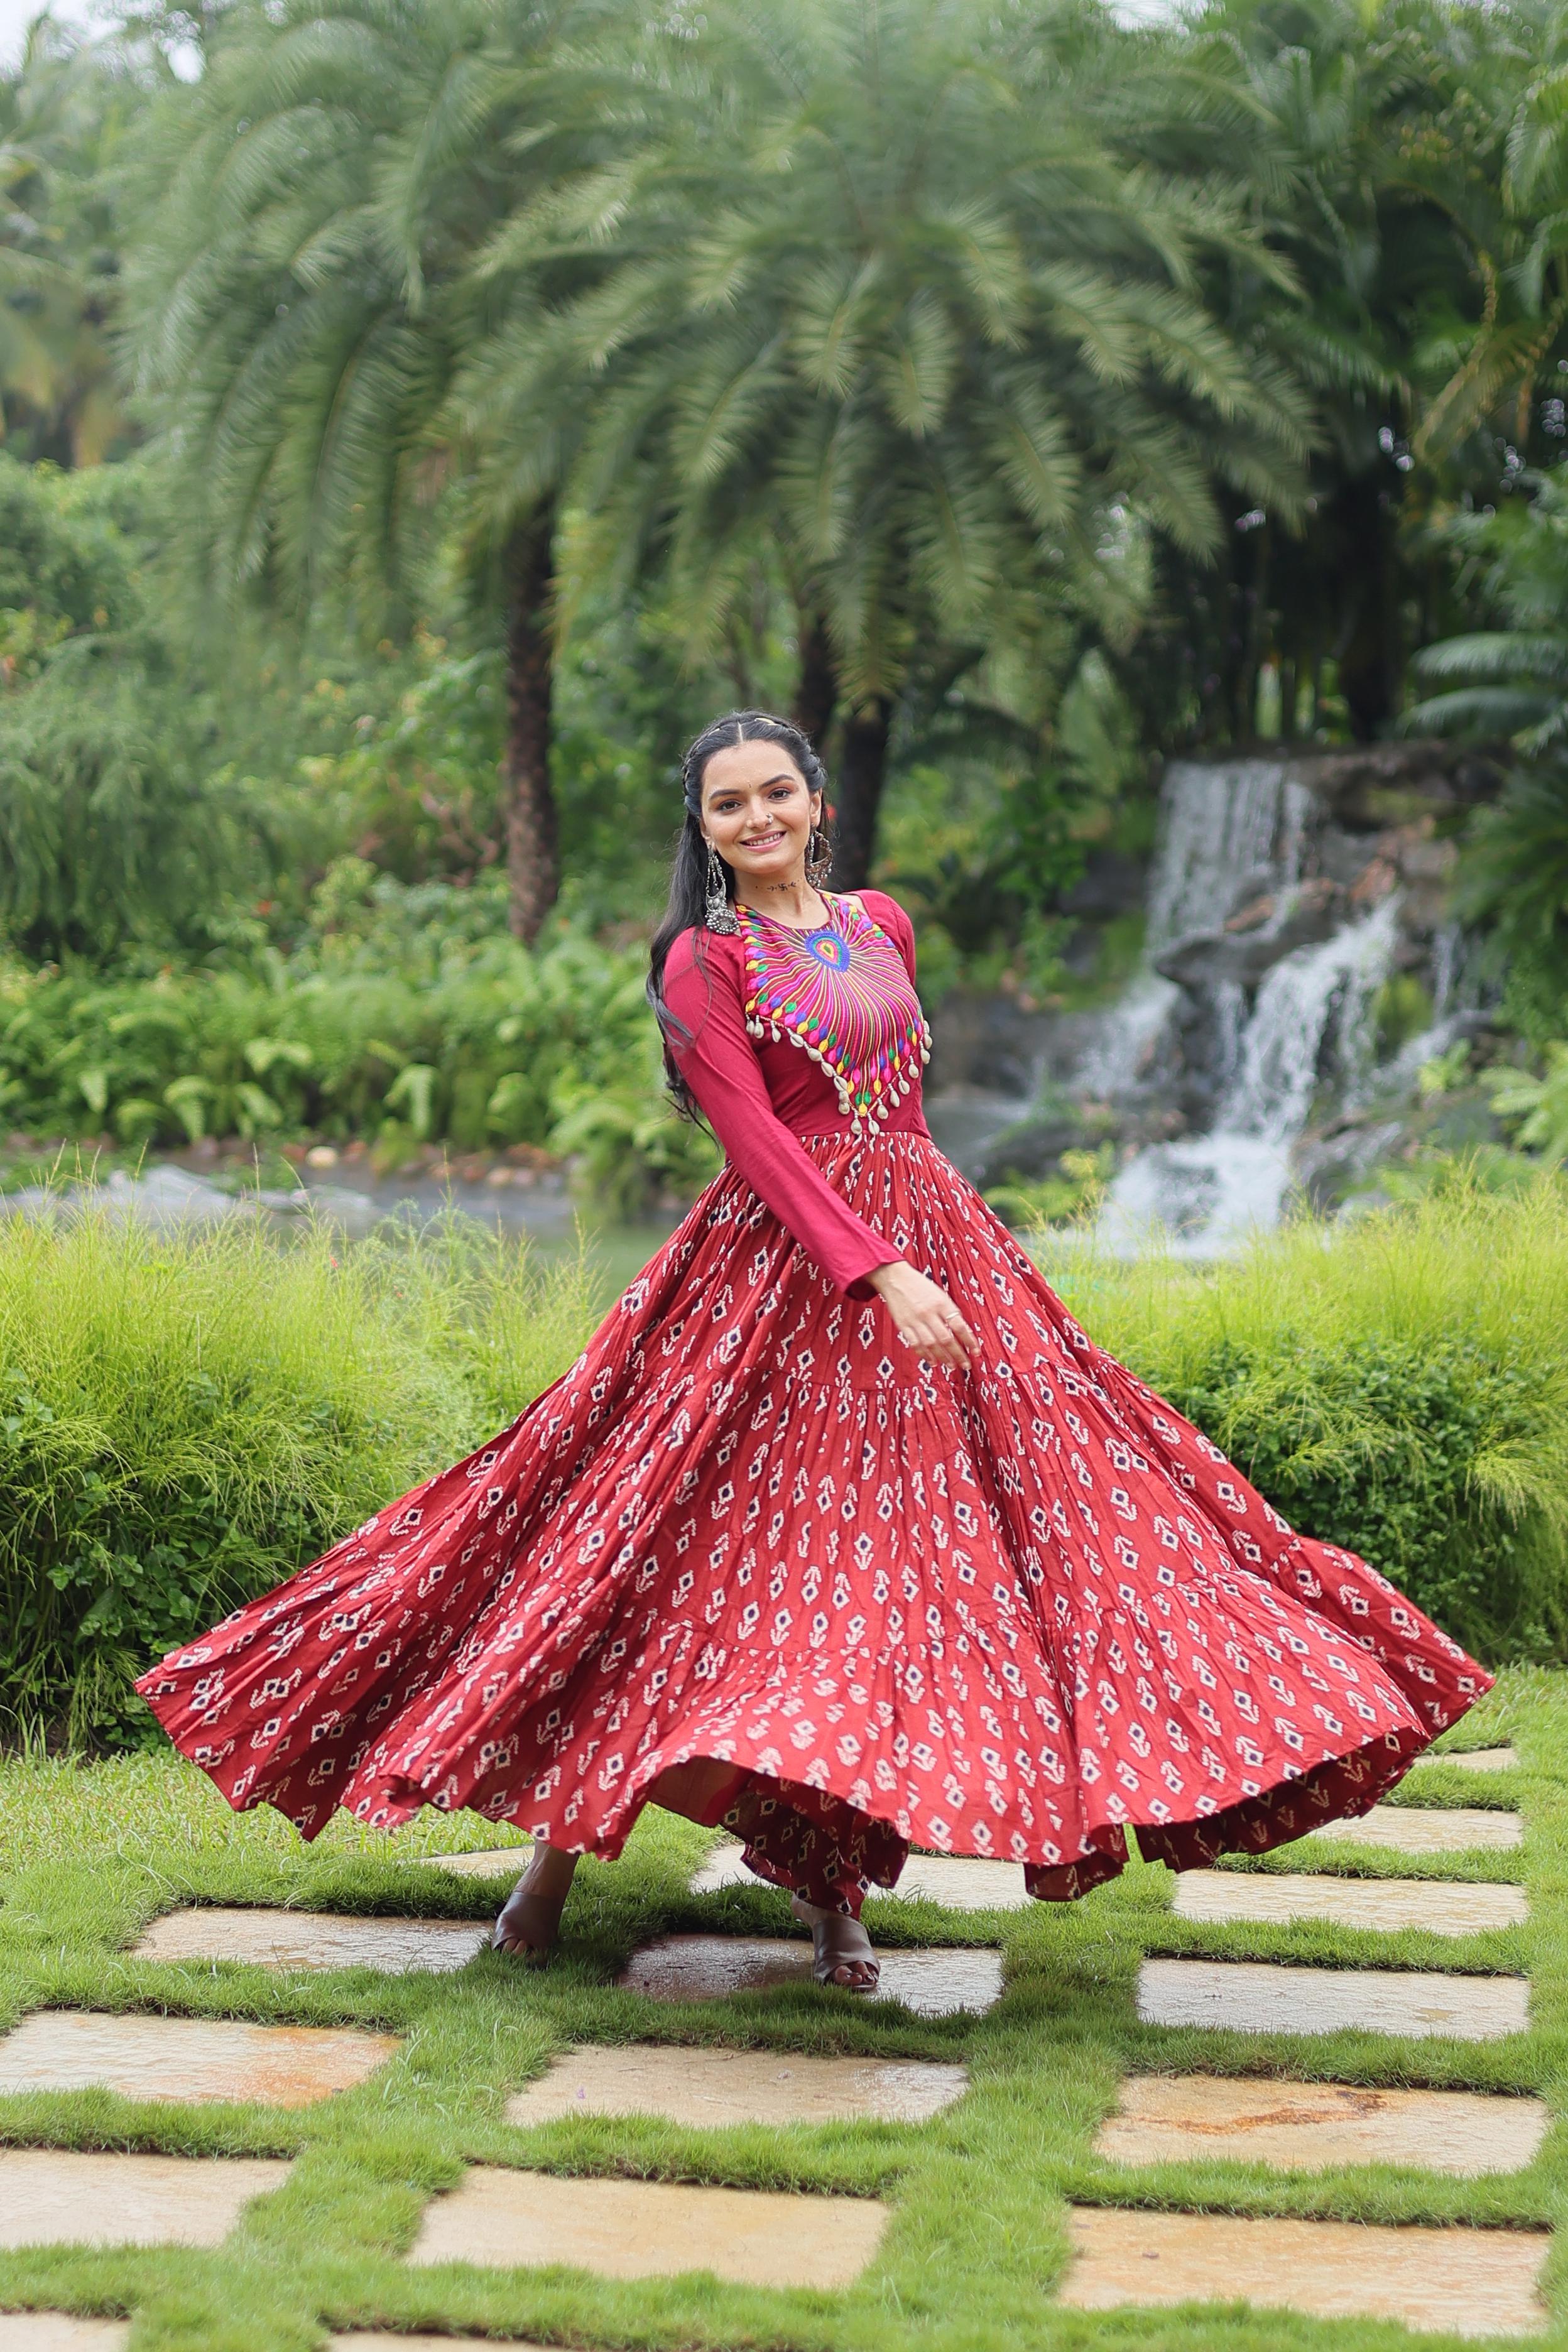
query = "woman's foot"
x=530 y=1915
x=841 y=1950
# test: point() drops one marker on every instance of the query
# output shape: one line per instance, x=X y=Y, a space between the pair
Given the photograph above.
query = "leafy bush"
x=1376 y=1446
x=184 y=1423
x=1398 y=1384
x=416 y=1019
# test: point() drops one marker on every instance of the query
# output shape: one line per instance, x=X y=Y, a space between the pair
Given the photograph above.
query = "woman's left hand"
x=927 y=1318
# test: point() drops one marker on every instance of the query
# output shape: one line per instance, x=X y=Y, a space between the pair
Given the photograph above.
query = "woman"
x=840 y=1532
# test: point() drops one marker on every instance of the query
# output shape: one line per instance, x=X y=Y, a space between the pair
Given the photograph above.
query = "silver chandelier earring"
x=818 y=857
x=720 y=914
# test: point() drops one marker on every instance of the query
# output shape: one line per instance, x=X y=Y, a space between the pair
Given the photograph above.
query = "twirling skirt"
x=752 y=1549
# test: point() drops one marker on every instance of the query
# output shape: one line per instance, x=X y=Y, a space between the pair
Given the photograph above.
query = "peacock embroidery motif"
x=841 y=992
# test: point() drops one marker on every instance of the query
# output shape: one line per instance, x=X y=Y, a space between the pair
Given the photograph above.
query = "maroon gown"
x=751 y=1548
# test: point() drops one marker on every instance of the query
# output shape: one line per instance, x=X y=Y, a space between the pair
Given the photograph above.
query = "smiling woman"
x=841 y=1531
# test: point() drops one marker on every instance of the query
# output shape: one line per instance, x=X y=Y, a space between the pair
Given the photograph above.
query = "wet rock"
x=988 y=1045
x=1254 y=942
x=1029 y=1150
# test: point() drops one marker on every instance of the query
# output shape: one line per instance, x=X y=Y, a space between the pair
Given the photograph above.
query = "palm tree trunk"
x=816 y=688
x=862 y=772
x=528 y=801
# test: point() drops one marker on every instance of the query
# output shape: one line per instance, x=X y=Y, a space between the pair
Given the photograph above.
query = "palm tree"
x=1510 y=684
x=886 y=305
x=1371 y=145
x=62 y=114
x=301 y=298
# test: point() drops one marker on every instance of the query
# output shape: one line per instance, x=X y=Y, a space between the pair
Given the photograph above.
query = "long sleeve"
x=721 y=1067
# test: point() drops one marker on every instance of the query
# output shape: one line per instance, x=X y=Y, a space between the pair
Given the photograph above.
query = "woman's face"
x=758 y=809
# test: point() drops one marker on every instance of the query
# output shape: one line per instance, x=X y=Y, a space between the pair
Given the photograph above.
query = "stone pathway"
x=56 y=2331
x=713 y=1967
x=1262 y=1997
x=642 y=2229
x=1311 y=2126
x=1481 y=1760
x=313 y=1940
x=1428 y=1828
x=508 y=1862
x=60 y=2197
x=372 y=2340
x=193 y=2060
x=1379 y=1904
x=1466 y=2280
x=1470 y=2282
x=715 y=2088
x=955 y=1882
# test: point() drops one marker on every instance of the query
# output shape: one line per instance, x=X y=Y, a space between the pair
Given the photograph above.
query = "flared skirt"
x=750 y=1543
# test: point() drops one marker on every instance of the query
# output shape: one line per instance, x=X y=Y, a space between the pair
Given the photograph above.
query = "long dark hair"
x=687 y=905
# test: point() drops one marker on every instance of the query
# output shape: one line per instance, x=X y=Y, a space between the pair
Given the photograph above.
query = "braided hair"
x=689 y=876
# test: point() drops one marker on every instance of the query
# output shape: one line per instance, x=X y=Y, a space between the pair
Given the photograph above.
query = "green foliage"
x=185 y=1423
x=419 y=1020
x=1539 y=1104
x=63 y=114
x=1377 y=1447
x=1398 y=1383
x=1071 y=1196
x=120 y=825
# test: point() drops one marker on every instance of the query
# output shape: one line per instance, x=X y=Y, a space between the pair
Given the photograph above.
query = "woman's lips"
x=766 y=841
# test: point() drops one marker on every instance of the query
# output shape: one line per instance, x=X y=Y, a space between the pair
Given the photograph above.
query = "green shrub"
x=417 y=1019
x=185 y=1422
x=1397 y=1384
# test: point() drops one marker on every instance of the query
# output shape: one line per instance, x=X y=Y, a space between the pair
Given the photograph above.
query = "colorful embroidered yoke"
x=842 y=993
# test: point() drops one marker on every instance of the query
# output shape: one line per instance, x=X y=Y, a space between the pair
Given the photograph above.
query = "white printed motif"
x=1009 y=1612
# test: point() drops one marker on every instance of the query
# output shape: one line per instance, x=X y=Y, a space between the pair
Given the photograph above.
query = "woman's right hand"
x=925 y=1317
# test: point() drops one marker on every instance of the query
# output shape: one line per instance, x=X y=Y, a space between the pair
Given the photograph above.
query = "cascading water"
x=1205 y=1193
x=1244 y=1056
x=1234 y=837
x=1227 y=833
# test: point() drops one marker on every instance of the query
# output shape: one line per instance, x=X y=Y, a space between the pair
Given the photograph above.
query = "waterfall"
x=1231 y=835
x=1227 y=832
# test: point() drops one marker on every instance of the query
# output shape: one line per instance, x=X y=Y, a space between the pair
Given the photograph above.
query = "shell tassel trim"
x=843 y=994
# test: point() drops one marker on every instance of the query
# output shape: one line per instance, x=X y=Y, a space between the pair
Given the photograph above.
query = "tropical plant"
x=418 y=1021
x=118 y=822
x=63 y=113
x=298 y=299
x=1370 y=144
x=1539 y=1105
x=1510 y=684
x=887 y=305
x=1512 y=681
x=183 y=1425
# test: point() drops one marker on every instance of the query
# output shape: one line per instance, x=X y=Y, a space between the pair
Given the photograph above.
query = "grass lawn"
x=89 y=1855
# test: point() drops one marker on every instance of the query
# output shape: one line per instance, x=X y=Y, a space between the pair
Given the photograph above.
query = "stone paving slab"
x=1417 y=1829
x=59 y=2331
x=717 y=2087
x=312 y=1939
x=1249 y=1997
x=647 y=2229
x=1468 y=2282
x=1442 y=1908
x=934 y=1983
x=495 y=1862
x=62 y=2197
x=958 y=1882
x=193 y=2060
x=1312 y=2126
x=1480 y=1760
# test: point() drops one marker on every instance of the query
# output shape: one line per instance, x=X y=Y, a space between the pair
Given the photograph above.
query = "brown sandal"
x=530 y=1920
x=841 y=1950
